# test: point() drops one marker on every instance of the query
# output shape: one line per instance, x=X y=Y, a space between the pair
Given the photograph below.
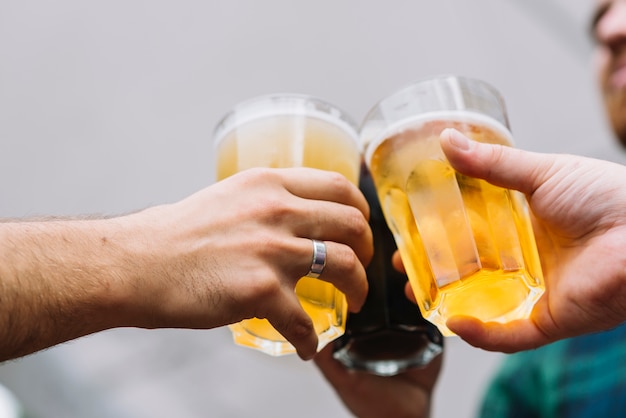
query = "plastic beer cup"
x=290 y=130
x=467 y=246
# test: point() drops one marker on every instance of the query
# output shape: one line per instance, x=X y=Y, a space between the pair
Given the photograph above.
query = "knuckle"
x=299 y=327
x=255 y=175
x=275 y=207
x=350 y=277
x=338 y=179
x=348 y=263
x=353 y=264
x=355 y=223
x=497 y=154
x=260 y=172
x=339 y=182
x=263 y=284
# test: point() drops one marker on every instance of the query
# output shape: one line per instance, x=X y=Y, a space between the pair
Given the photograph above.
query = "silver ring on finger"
x=319 y=259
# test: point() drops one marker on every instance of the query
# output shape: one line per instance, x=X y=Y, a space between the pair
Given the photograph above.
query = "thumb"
x=517 y=335
x=500 y=165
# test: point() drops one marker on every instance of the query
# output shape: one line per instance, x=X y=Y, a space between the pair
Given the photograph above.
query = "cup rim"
x=365 y=142
x=412 y=84
x=283 y=103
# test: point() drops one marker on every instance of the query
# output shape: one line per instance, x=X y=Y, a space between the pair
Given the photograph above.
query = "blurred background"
x=108 y=107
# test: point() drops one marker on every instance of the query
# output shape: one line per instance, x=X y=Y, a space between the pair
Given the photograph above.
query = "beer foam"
x=375 y=133
x=284 y=105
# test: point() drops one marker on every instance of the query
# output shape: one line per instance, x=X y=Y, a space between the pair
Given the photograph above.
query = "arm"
x=579 y=206
x=59 y=280
x=232 y=251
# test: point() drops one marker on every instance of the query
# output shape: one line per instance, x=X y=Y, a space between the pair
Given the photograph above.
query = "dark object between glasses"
x=389 y=334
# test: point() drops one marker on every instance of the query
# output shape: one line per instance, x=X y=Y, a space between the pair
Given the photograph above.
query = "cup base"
x=389 y=352
x=273 y=344
x=482 y=303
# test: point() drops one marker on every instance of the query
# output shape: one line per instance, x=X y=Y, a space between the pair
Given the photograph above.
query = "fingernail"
x=457 y=139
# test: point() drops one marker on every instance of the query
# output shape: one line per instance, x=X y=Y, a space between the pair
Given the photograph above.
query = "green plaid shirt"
x=582 y=377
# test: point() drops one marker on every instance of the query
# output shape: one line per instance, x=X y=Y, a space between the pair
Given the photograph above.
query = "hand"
x=366 y=395
x=236 y=250
x=579 y=208
x=232 y=251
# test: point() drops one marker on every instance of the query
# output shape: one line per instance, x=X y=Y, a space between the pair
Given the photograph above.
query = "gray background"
x=108 y=107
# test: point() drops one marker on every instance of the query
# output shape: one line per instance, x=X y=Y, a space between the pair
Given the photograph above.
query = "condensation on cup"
x=467 y=246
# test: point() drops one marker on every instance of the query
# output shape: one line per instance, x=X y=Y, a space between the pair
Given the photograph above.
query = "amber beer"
x=290 y=131
x=468 y=246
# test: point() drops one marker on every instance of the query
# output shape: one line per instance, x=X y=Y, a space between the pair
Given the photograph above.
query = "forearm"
x=59 y=280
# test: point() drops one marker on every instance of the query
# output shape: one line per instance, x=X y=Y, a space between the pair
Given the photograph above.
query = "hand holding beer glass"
x=289 y=130
x=467 y=246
